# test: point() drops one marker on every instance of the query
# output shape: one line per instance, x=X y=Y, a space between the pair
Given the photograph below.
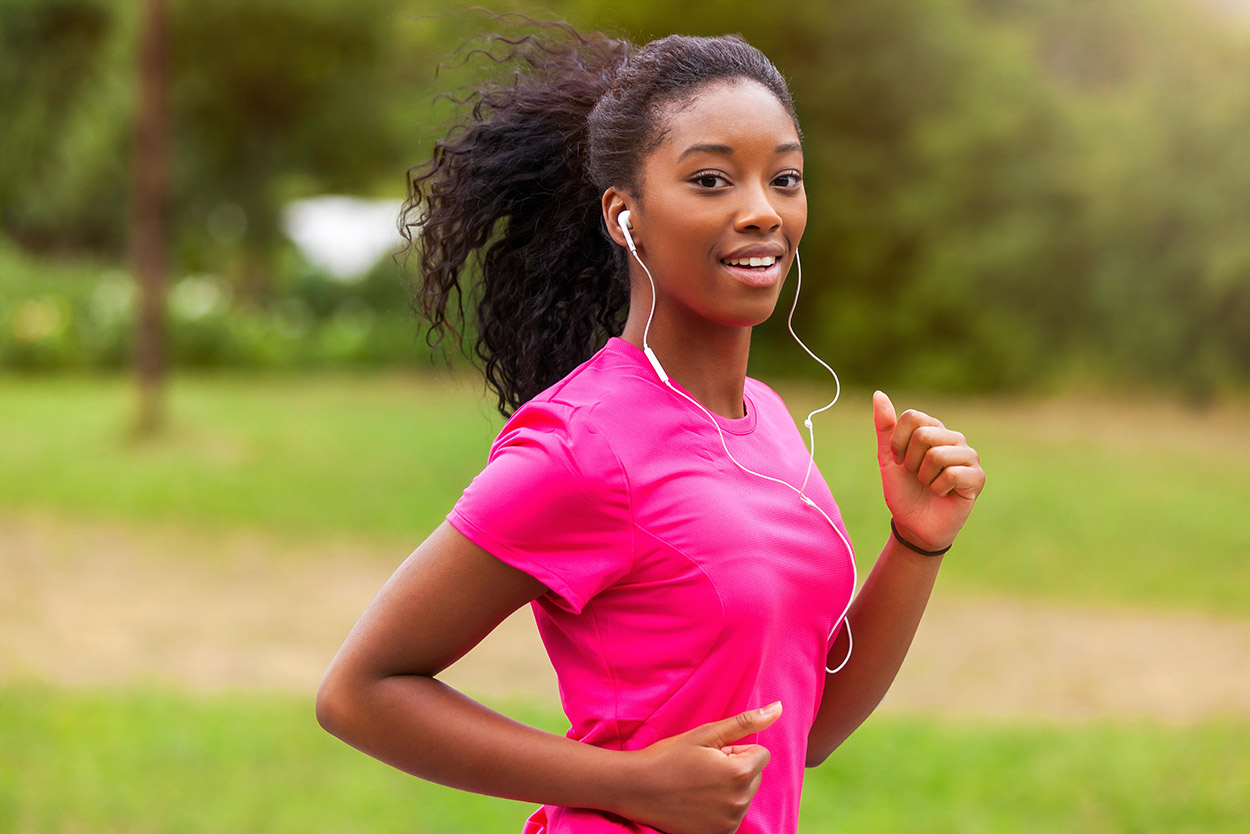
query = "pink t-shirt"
x=682 y=589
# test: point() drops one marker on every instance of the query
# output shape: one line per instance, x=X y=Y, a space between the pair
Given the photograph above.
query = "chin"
x=749 y=319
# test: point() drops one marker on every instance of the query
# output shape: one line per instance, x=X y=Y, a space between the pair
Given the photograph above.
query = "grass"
x=156 y=761
x=930 y=776
x=163 y=761
x=1088 y=502
x=366 y=455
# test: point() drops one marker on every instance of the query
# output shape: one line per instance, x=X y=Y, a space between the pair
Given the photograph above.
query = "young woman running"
x=686 y=564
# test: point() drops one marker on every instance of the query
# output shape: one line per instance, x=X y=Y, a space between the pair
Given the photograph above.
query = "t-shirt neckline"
x=741 y=425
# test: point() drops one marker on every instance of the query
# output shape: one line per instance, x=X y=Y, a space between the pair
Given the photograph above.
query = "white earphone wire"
x=655 y=362
x=837 y=383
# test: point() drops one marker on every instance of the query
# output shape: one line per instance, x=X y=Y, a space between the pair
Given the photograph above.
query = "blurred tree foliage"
x=1008 y=193
x=66 y=96
x=1004 y=194
x=273 y=100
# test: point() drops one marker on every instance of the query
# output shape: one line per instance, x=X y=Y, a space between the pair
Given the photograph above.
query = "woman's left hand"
x=930 y=475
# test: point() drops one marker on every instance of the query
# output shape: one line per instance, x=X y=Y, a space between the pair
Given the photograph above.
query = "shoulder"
x=617 y=373
x=552 y=459
x=553 y=438
x=598 y=398
x=572 y=423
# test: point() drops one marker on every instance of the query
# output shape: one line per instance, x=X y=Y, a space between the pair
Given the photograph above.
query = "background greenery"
x=1037 y=202
x=1079 y=488
x=1051 y=191
x=158 y=761
x=1128 y=496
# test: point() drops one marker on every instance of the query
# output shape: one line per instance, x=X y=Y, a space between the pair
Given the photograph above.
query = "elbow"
x=816 y=756
x=333 y=705
x=820 y=746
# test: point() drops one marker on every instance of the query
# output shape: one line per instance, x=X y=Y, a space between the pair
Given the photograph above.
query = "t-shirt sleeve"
x=553 y=502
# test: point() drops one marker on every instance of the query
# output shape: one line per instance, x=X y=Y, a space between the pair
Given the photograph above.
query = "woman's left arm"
x=930 y=477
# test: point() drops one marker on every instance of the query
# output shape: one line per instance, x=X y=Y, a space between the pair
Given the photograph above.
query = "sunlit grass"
x=155 y=761
x=1087 y=502
x=383 y=454
x=163 y=761
x=897 y=775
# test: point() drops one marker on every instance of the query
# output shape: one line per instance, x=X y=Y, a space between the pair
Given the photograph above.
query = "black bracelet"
x=912 y=547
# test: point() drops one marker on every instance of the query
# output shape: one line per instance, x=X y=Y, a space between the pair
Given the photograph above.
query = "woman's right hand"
x=701 y=782
x=381 y=695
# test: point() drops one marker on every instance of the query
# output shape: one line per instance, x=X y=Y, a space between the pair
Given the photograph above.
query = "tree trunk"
x=149 y=207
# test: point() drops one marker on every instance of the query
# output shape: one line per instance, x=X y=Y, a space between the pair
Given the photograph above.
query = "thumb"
x=884 y=420
x=725 y=732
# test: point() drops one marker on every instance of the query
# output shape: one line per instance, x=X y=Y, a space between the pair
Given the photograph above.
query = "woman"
x=687 y=567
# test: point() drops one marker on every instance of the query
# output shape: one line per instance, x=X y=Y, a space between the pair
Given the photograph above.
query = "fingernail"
x=771 y=709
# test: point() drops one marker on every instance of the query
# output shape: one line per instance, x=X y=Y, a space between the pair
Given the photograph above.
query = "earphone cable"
x=807 y=422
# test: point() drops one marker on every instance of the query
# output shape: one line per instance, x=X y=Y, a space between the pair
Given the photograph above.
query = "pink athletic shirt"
x=682 y=590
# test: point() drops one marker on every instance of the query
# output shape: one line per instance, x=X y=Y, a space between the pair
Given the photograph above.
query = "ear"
x=614 y=202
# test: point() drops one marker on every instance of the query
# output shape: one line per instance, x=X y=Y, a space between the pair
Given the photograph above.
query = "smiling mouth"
x=755 y=270
x=751 y=263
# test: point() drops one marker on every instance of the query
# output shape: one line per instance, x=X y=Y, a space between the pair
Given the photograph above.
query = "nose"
x=757 y=213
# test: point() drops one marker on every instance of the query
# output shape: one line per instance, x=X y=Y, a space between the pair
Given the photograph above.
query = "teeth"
x=765 y=261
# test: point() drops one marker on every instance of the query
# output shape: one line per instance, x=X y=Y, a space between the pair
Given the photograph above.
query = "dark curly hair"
x=516 y=187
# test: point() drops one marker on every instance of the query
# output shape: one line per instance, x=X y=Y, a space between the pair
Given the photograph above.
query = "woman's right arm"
x=381 y=696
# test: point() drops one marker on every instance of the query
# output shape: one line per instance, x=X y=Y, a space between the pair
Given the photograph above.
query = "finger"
x=939 y=457
x=748 y=771
x=723 y=733
x=884 y=420
x=909 y=422
x=755 y=755
x=739 y=749
x=927 y=437
x=964 y=481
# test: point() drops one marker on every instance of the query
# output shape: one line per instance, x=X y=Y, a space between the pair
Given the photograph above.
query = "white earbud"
x=622 y=220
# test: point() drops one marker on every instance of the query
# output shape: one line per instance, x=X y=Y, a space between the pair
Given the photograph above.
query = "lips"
x=759 y=250
x=758 y=266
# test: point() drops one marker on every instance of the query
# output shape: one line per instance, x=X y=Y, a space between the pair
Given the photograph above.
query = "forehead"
x=736 y=112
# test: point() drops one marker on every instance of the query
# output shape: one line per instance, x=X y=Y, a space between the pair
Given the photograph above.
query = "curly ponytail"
x=517 y=186
x=512 y=180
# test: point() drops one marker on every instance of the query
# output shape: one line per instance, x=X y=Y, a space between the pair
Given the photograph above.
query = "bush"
x=80 y=316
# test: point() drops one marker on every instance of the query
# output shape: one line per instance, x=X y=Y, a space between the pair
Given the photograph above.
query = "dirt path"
x=104 y=603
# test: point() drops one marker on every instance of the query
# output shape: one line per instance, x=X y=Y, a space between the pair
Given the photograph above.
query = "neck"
x=709 y=361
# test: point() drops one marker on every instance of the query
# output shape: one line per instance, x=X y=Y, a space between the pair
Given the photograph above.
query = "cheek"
x=688 y=233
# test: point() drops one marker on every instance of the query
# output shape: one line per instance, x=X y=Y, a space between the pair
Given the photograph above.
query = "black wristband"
x=912 y=547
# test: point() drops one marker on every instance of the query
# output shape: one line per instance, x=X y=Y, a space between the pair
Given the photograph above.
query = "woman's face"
x=722 y=207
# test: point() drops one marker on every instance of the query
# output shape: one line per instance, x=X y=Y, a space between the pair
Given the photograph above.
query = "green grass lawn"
x=1088 y=503
x=159 y=761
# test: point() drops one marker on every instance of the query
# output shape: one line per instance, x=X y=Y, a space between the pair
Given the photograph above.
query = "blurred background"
x=220 y=429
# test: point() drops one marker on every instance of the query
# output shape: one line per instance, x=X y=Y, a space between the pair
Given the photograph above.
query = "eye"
x=709 y=179
x=790 y=179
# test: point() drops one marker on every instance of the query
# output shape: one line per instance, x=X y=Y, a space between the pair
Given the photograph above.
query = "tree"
x=275 y=100
x=66 y=95
x=149 y=211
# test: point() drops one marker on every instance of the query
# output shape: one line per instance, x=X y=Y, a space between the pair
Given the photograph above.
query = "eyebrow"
x=726 y=150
